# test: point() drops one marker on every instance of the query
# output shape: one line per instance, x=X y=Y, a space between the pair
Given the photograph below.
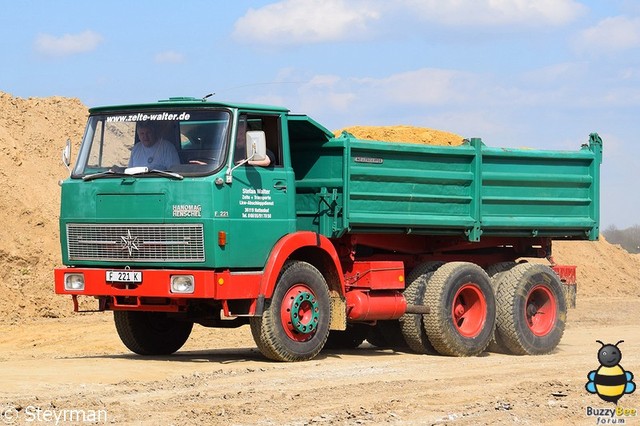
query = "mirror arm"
x=227 y=177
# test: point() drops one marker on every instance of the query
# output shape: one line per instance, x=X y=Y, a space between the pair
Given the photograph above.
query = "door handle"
x=280 y=186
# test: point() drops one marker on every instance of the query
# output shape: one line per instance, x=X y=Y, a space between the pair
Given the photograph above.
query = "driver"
x=152 y=152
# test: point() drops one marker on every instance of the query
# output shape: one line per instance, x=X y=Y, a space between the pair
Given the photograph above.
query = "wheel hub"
x=304 y=313
x=469 y=310
x=540 y=312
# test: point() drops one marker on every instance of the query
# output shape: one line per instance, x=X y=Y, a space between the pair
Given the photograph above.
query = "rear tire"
x=462 y=309
x=496 y=268
x=421 y=269
x=295 y=323
x=151 y=333
x=386 y=334
x=496 y=344
x=411 y=324
x=532 y=309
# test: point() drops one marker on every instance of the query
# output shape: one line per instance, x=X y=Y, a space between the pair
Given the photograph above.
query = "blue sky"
x=517 y=73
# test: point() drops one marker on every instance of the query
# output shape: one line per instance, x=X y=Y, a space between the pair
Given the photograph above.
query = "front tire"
x=295 y=323
x=151 y=333
x=532 y=309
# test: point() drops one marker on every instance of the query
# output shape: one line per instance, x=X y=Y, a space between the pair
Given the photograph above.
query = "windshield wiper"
x=133 y=171
x=103 y=174
x=167 y=174
x=145 y=170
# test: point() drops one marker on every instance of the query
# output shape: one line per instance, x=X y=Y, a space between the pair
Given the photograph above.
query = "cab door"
x=261 y=199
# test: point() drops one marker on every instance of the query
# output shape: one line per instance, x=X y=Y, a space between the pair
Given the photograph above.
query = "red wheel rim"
x=469 y=310
x=540 y=310
x=299 y=313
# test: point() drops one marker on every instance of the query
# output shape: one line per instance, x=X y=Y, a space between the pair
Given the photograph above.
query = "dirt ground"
x=219 y=377
x=55 y=364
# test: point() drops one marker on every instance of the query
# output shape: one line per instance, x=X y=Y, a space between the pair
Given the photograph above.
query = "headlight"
x=74 y=282
x=183 y=284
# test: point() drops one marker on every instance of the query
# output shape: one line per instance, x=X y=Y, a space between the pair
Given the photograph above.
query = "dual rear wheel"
x=532 y=310
x=462 y=310
x=521 y=310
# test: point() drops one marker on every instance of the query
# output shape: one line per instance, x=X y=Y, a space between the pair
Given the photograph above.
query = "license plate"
x=124 y=276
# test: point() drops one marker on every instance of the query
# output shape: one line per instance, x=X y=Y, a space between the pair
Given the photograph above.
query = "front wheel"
x=151 y=333
x=531 y=309
x=295 y=323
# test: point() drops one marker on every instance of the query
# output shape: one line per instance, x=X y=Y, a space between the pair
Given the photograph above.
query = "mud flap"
x=338 y=312
x=567 y=274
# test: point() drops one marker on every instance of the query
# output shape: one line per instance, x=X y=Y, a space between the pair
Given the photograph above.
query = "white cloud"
x=477 y=13
x=331 y=91
x=421 y=88
x=327 y=94
x=426 y=86
x=611 y=34
x=68 y=44
x=305 y=21
x=169 y=57
x=292 y=22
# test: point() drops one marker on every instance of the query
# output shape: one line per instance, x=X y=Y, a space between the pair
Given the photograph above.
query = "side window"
x=270 y=125
x=241 y=140
x=202 y=141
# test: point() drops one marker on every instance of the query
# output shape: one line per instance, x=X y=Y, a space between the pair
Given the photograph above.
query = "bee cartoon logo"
x=610 y=381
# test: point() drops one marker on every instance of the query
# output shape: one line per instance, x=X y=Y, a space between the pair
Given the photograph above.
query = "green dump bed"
x=350 y=185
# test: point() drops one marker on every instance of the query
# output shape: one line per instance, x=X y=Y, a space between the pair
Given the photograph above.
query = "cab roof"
x=182 y=102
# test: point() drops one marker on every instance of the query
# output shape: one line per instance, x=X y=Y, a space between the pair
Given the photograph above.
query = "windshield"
x=182 y=141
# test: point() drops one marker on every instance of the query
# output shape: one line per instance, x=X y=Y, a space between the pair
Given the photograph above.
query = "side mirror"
x=66 y=155
x=256 y=145
x=256 y=150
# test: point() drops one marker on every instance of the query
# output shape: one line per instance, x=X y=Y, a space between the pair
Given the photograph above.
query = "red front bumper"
x=156 y=283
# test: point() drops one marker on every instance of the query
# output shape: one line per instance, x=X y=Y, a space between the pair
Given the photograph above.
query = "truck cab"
x=212 y=190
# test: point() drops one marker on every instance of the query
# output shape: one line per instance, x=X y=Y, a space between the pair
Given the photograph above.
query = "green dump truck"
x=190 y=211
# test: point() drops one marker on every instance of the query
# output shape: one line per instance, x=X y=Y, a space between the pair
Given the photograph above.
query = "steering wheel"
x=202 y=161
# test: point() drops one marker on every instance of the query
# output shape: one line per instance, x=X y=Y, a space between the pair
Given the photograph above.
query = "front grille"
x=136 y=243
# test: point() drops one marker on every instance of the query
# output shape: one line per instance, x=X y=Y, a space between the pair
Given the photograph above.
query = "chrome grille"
x=136 y=243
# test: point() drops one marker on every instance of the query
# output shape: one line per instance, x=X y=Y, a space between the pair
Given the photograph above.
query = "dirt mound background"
x=32 y=134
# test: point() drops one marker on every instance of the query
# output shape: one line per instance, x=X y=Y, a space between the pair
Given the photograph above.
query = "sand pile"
x=604 y=269
x=404 y=134
x=32 y=134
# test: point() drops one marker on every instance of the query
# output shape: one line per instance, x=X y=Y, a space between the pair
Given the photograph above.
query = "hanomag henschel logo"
x=610 y=381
